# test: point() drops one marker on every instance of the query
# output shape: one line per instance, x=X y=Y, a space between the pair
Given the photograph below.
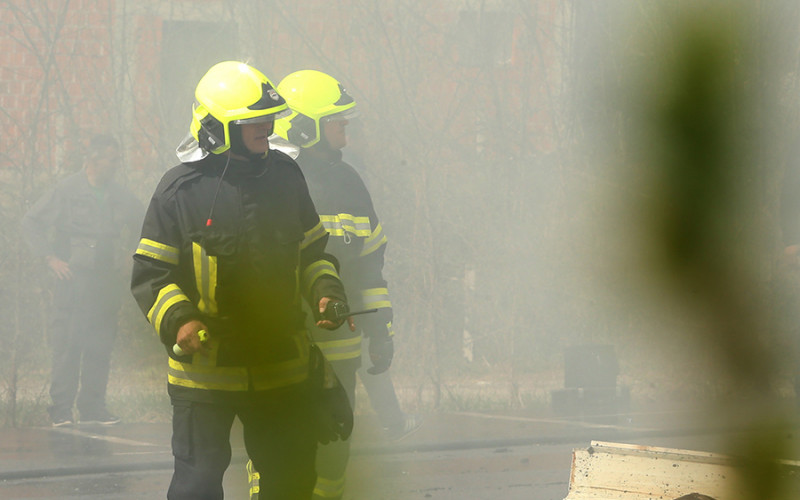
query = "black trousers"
x=279 y=436
x=82 y=337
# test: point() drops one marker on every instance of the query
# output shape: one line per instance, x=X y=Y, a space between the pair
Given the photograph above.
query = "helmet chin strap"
x=322 y=148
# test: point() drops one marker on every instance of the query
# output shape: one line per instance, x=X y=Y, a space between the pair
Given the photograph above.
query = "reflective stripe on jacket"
x=357 y=241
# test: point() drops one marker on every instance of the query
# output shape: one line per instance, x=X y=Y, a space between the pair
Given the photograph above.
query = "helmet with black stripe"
x=232 y=92
x=313 y=97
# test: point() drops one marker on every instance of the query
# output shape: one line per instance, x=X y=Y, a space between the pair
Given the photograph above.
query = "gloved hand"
x=381 y=352
x=336 y=417
x=332 y=409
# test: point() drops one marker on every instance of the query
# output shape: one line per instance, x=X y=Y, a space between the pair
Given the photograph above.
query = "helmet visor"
x=264 y=118
x=347 y=114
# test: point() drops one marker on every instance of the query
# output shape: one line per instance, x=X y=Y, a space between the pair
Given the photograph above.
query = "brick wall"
x=68 y=69
x=55 y=78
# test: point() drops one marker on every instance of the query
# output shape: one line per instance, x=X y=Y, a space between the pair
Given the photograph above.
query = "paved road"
x=466 y=456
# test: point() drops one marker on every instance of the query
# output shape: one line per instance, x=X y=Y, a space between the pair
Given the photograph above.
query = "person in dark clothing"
x=230 y=244
x=321 y=108
x=77 y=228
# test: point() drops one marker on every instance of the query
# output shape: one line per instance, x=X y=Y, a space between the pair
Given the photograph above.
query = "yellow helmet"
x=232 y=92
x=312 y=97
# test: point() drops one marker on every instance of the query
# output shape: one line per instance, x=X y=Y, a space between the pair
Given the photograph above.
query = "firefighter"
x=230 y=243
x=80 y=228
x=321 y=109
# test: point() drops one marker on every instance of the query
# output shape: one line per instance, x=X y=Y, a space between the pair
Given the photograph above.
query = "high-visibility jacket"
x=356 y=240
x=236 y=248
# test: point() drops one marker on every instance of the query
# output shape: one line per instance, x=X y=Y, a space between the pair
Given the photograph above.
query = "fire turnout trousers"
x=278 y=436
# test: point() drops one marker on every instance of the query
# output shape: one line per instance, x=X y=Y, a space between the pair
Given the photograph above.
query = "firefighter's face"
x=255 y=136
x=334 y=133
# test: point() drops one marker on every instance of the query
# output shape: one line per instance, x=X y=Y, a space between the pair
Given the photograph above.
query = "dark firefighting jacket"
x=236 y=251
x=358 y=243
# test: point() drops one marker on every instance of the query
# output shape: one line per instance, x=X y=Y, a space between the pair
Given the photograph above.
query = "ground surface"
x=456 y=455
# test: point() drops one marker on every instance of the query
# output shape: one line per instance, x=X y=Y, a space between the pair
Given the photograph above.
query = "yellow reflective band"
x=201 y=374
x=389 y=328
x=207 y=359
x=207 y=377
x=316 y=270
x=376 y=240
x=329 y=488
x=158 y=251
x=167 y=297
x=313 y=235
x=332 y=225
x=375 y=298
x=336 y=225
x=253 y=478
x=205 y=275
x=337 y=350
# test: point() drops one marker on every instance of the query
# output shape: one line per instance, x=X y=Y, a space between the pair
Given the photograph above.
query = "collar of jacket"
x=214 y=165
x=320 y=152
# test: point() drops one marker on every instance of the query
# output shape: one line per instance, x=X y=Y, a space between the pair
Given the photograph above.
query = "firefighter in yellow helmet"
x=230 y=245
x=321 y=109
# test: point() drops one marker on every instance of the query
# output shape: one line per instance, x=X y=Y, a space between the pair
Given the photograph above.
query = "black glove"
x=381 y=352
x=337 y=416
x=332 y=409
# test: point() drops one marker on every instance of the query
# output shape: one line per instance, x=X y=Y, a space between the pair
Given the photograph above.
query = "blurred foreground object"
x=695 y=115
